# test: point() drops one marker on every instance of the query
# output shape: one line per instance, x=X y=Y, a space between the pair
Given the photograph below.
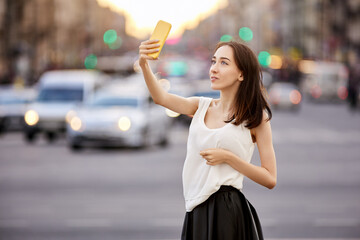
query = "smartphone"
x=161 y=32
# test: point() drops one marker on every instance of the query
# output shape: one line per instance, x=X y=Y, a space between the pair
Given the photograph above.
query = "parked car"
x=324 y=81
x=284 y=95
x=121 y=114
x=59 y=92
x=13 y=103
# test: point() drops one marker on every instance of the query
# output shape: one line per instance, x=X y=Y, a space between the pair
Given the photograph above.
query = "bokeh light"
x=117 y=44
x=316 y=91
x=110 y=36
x=124 y=123
x=70 y=114
x=276 y=62
x=342 y=92
x=173 y=41
x=76 y=123
x=90 y=61
x=226 y=38
x=264 y=58
x=171 y=113
x=295 y=97
x=165 y=84
x=31 y=117
x=307 y=66
x=295 y=53
x=137 y=67
x=176 y=68
x=246 y=34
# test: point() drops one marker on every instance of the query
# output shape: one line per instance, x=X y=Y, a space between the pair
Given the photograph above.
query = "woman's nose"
x=213 y=68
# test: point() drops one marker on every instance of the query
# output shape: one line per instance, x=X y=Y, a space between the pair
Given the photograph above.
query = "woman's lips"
x=213 y=79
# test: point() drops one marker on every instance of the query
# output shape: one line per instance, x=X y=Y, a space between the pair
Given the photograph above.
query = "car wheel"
x=76 y=146
x=2 y=129
x=50 y=137
x=164 y=142
x=30 y=137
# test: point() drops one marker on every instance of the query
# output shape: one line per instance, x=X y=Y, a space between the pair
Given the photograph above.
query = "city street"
x=49 y=192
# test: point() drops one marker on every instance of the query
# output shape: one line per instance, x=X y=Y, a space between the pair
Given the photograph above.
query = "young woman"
x=221 y=141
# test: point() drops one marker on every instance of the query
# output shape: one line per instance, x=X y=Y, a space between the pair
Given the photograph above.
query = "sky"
x=142 y=15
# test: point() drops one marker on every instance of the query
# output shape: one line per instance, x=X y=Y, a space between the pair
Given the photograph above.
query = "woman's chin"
x=215 y=87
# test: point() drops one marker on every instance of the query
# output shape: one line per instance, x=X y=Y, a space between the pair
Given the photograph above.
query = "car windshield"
x=60 y=95
x=115 y=101
x=12 y=100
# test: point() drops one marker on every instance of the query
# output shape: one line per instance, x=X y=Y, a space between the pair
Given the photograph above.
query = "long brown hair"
x=250 y=102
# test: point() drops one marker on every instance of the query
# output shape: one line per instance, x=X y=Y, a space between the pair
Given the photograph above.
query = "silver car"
x=284 y=95
x=13 y=104
x=119 y=115
x=59 y=91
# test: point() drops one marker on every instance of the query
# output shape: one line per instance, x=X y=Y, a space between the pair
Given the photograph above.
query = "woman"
x=221 y=141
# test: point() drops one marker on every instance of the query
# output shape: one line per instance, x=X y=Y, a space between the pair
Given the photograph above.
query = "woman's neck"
x=225 y=103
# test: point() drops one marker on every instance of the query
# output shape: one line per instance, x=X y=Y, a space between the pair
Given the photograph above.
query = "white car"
x=119 y=115
x=59 y=92
x=284 y=95
x=324 y=81
x=13 y=103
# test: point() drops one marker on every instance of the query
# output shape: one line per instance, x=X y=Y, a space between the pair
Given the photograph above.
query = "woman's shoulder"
x=202 y=101
x=263 y=126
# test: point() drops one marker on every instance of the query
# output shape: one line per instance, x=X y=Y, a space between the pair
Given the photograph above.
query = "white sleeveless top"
x=201 y=180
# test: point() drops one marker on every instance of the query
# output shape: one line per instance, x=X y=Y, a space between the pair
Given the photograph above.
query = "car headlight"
x=31 y=117
x=76 y=123
x=124 y=123
x=70 y=114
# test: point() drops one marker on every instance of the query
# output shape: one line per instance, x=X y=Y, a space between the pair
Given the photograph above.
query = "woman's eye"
x=212 y=61
x=223 y=62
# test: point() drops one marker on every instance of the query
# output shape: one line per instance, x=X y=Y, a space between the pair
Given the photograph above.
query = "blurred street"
x=49 y=192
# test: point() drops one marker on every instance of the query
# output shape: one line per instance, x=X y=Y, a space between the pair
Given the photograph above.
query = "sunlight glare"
x=142 y=15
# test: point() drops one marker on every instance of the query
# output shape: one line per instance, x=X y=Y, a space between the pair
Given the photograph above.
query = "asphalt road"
x=49 y=192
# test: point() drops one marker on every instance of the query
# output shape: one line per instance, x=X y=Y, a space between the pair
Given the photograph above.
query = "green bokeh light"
x=246 y=34
x=110 y=36
x=90 y=61
x=176 y=68
x=117 y=44
x=264 y=58
x=226 y=38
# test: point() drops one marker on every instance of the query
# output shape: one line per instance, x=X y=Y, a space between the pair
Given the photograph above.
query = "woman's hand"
x=215 y=156
x=146 y=47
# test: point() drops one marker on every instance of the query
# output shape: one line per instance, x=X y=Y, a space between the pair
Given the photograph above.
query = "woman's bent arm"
x=265 y=174
x=160 y=96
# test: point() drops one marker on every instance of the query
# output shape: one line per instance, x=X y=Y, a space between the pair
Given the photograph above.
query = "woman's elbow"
x=271 y=184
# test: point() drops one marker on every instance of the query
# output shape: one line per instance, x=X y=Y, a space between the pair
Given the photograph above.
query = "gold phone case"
x=161 y=32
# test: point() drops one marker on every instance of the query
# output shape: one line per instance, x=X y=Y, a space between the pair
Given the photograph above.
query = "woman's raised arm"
x=159 y=95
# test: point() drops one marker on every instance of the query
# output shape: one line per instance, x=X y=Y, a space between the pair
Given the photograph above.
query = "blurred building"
x=37 y=35
x=318 y=29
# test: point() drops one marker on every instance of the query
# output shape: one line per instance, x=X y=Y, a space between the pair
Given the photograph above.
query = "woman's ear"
x=240 y=77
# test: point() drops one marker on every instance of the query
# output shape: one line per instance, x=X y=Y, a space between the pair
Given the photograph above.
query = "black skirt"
x=225 y=215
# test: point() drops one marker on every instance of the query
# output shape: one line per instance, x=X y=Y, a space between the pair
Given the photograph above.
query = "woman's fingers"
x=150 y=41
x=144 y=56
x=149 y=46
x=147 y=51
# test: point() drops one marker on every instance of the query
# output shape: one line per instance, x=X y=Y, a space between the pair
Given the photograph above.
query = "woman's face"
x=223 y=71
